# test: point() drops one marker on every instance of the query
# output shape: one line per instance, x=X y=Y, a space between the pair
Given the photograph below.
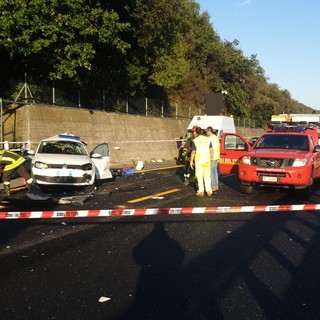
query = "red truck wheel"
x=246 y=189
x=307 y=192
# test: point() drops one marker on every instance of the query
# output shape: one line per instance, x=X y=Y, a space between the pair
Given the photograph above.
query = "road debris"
x=104 y=299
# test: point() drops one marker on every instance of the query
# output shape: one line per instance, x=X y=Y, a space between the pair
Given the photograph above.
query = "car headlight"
x=299 y=162
x=40 y=165
x=246 y=160
x=87 y=166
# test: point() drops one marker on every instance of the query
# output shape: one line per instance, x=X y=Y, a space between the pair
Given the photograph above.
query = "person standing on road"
x=215 y=142
x=201 y=154
x=187 y=154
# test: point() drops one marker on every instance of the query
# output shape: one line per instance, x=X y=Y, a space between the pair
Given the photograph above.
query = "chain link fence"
x=94 y=99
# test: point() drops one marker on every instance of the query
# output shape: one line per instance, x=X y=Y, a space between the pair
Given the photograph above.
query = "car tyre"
x=246 y=189
x=307 y=192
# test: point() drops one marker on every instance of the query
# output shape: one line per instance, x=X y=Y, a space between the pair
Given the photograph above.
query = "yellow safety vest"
x=215 y=142
x=202 y=144
x=10 y=160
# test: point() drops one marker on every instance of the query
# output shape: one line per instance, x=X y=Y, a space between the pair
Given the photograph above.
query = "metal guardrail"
x=16 y=146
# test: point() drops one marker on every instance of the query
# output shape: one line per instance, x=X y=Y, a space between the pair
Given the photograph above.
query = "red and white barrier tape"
x=152 y=211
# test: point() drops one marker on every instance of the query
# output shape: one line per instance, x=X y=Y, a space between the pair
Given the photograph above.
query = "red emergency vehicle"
x=232 y=148
x=287 y=155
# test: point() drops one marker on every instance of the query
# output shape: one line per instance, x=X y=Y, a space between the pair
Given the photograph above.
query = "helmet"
x=194 y=128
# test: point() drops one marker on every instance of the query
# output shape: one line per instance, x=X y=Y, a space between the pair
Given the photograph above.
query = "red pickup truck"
x=284 y=156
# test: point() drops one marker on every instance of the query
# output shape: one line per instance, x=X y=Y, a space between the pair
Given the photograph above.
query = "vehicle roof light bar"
x=67 y=136
x=289 y=126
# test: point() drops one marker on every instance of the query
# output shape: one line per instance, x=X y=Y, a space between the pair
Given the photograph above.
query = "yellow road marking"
x=154 y=195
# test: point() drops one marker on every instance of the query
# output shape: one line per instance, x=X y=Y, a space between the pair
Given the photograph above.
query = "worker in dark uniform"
x=187 y=154
x=11 y=162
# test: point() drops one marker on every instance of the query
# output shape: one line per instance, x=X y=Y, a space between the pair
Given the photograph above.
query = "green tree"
x=262 y=113
x=58 y=38
x=165 y=49
x=199 y=40
x=236 y=100
x=171 y=69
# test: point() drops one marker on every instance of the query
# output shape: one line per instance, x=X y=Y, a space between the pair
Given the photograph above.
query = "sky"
x=284 y=34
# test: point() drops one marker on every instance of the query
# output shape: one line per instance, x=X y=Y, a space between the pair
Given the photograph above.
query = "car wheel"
x=307 y=192
x=246 y=189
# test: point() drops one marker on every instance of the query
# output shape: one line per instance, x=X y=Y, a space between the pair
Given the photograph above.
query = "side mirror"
x=30 y=152
x=96 y=156
x=316 y=148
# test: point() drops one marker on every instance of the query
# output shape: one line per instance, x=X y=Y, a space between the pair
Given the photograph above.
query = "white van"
x=220 y=123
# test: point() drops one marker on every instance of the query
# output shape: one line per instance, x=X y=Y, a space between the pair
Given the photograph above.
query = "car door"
x=232 y=149
x=100 y=156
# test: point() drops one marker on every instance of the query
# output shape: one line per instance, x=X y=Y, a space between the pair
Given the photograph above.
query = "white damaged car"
x=63 y=160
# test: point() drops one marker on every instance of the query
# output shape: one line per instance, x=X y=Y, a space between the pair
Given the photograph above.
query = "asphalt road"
x=221 y=266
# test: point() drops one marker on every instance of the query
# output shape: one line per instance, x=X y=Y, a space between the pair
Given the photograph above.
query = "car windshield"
x=283 y=141
x=62 y=147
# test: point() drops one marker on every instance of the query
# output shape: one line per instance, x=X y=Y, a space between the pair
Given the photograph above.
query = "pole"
x=103 y=99
x=53 y=93
x=162 y=109
x=146 y=107
x=127 y=105
x=25 y=88
x=1 y=116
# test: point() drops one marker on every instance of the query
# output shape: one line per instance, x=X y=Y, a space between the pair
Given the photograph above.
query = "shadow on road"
x=160 y=258
x=267 y=269
x=248 y=266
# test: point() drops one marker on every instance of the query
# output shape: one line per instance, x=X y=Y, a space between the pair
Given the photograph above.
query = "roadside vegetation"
x=160 y=49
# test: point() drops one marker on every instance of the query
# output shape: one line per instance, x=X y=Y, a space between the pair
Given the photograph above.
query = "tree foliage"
x=58 y=38
x=133 y=47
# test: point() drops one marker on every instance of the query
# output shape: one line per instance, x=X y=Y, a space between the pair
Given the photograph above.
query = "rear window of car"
x=62 y=147
x=283 y=141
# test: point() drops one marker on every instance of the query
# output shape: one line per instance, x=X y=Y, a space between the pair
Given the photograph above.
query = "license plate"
x=270 y=179
x=64 y=173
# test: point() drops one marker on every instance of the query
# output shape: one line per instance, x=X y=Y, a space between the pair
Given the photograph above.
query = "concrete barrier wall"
x=131 y=138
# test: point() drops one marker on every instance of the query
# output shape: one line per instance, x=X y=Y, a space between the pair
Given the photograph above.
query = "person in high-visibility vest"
x=201 y=154
x=215 y=142
x=10 y=162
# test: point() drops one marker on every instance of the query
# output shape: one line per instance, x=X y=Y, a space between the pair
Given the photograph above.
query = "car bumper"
x=293 y=176
x=63 y=177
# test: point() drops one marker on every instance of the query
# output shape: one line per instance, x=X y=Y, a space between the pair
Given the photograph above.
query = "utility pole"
x=53 y=93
